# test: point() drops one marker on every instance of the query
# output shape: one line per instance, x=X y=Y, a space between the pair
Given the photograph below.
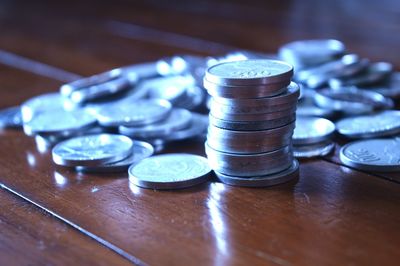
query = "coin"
x=259 y=105
x=390 y=88
x=382 y=124
x=246 y=142
x=311 y=130
x=245 y=92
x=375 y=73
x=141 y=150
x=262 y=181
x=59 y=123
x=351 y=100
x=306 y=53
x=372 y=155
x=44 y=103
x=178 y=119
x=170 y=171
x=10 y=117
x=252 y=125
x=172 y=89
x=92 y=150
x=249 y=72
x=247 y=165
x=215 y=112
x=138 y=113
x=313 y=150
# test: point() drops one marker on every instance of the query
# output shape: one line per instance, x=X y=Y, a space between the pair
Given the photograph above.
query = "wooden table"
x=331 y=215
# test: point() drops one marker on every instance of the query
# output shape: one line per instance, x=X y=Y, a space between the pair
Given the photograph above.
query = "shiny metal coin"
x=351 y=100
x=389 y=88
x=10 y=117
x=196 y=97
x=141 y=150
x=198 y=128
x=247 y=165
x=313 y=150
x=92 y=150
x=178 y=119
x=99 y=91
x=252 y=125
x=59 y=123
x=170 y=171
x=375 y=73
x=310 y=130
x=372 y=155
x=249 y=72
x=306 y=53
x=259 y=105
x=172 y=89
x=312 y=110
x=262 y=181
x=138 y=113
x=252 y=117
x=382 y=124
x=44 y=103
x=245 y=142
x=67 y=89
x=245 y=92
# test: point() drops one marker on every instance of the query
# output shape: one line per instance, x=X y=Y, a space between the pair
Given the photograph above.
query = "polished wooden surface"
x=330 y=215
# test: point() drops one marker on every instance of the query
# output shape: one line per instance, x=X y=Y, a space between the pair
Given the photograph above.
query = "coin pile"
x=251 y=122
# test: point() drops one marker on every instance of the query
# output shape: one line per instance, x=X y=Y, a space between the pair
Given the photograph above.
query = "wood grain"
x=30 y=236
x=331 y=215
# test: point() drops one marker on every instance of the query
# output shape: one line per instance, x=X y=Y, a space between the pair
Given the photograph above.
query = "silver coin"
x=313 y=150
x=247 y=165
x=312 y=110
x=172 y=89
x=245 y=92
x=92 y=150
x=382 y=124
x=178 y=119
x=351 y=100
x=99 y=91
x=215 y=112
x=262 y=181
x=10 y=117
x=141 y=150
x=67 y=89
x=170 y=171
x=389 y=88
x=372 y=155
x=311 y=130
x=375 y=73
x=249 y=72
x=249 y=141
x=306 y=53
x=198 y=127
x=138 y=113
x=44 y=103
x=252 y=125
x=196 y=97
x=59 y=123
x=259 y=105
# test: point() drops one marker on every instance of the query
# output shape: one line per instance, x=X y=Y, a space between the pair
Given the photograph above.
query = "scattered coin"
x=92 y=150
x=138 y=113
x=170 y=171
x=313 y=150
x=381 y=155
x=310 y=130
x=59 y=123
x=141 y=150
x=386 y=123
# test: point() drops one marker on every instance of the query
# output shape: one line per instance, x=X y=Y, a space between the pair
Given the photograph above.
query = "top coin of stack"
x=251 y=121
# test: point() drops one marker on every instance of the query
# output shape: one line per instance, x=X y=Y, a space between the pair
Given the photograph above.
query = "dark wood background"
x=331 y=215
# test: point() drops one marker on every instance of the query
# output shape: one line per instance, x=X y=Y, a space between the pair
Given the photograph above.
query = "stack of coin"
x=252 y=118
